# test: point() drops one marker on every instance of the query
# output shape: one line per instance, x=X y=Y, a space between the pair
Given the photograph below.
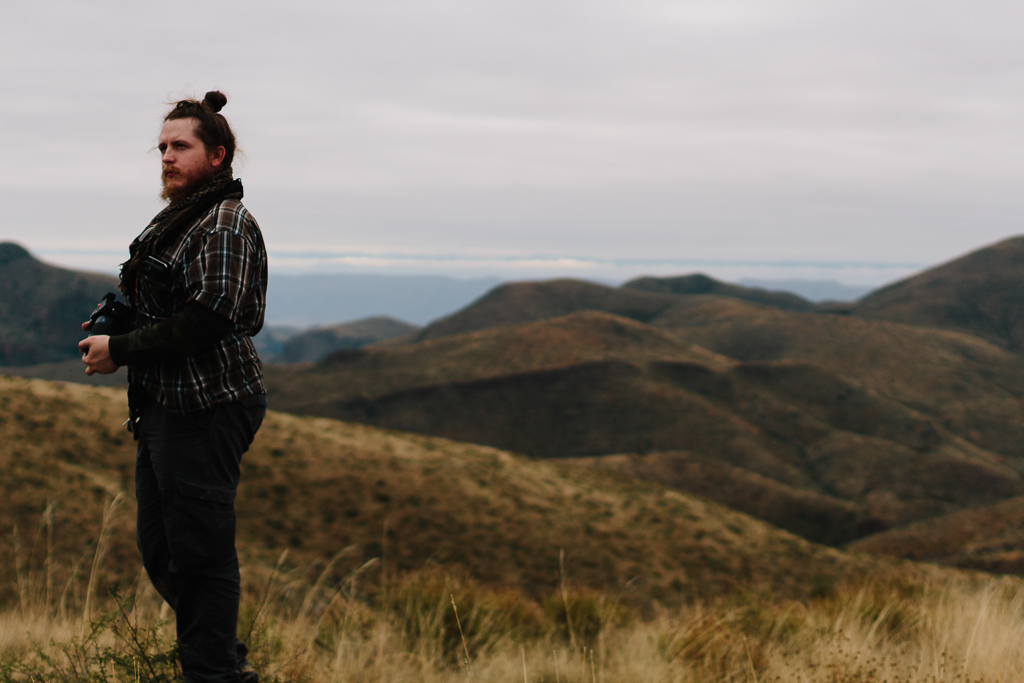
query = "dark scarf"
x=170 y=222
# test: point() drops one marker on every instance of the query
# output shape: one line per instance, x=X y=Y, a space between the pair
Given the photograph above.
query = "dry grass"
x=316 y=487
x=359 y=545
x=437 y=626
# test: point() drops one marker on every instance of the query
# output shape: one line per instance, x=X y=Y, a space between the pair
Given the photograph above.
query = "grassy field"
x=371 y=555
x=433 y=626
x=320 y=488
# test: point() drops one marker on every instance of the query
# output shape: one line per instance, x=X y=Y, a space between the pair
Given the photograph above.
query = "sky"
x=850 y=141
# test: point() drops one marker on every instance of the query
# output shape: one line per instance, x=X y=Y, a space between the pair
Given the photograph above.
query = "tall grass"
x=334 y=625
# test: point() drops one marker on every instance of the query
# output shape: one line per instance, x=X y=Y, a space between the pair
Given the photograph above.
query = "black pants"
x=186 y=474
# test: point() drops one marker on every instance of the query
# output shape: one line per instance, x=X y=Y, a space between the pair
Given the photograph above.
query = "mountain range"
x=835 y=423
x=891 y=423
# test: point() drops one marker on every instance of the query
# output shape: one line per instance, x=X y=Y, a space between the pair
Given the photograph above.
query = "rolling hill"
x=702 y=284
x=988 y=539
x=592 y=384
x=42 y=307
x=836 y=423
x=642 y=299
x=965 y=384
x=521 y=302
x=981 y=293
x=318 y=342
x=832 y=426
x=317 y=488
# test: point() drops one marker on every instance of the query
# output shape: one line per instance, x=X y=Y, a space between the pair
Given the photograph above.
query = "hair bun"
x=215 y=100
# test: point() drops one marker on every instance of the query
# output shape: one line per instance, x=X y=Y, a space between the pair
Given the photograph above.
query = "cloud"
x=839 y=132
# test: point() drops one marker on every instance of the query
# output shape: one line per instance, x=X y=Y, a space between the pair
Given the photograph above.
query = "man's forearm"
x=193 y=329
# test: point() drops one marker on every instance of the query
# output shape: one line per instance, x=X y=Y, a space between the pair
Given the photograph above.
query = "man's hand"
x=96 y=355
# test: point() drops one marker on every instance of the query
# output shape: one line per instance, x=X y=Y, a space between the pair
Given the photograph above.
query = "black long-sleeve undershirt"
x=193 y=329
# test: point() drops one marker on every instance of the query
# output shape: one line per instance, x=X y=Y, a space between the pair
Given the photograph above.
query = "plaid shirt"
x=221 y=263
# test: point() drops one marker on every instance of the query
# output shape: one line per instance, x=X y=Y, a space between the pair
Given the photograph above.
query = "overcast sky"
x=856 y=141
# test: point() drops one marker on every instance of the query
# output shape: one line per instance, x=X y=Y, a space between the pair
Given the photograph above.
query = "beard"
x=183 y=185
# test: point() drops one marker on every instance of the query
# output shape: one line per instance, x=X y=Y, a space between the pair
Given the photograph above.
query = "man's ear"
x=217 y=156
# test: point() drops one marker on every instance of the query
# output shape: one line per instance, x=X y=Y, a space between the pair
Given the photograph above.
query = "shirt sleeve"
x=191 y=330
x=221 y=276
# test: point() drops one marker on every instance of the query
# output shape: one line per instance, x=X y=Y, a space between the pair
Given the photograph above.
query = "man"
x=197 y=281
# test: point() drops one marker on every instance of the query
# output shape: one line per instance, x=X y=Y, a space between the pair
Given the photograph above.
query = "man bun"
x=215 y=100
x=211 y=126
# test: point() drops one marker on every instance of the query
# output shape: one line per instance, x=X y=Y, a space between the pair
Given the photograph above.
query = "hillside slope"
x=981 y=293
x=42 y=307
x=521 y=302
x=591 y=384
x=971 y=387
x=702 y=284
x=318 y=342
x=316 y=487
x=987 y=539
x=641 y=299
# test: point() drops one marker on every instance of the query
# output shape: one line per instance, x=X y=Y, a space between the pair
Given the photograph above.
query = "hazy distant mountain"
x=42 y=307
x=520 y=302
x=318 y=342
x=812 y=290
x=272 y=338
x=981 y=293
x=702 y=284
x=643 y=300
x=325 y=299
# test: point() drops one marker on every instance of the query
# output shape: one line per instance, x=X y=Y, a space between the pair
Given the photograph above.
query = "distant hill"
x=835 y=422
x=702 y=284
x=981 y=293
x=318 y=342
x=67 y=371
x=805 y=512
x=520 y=302
x=965 y=384
x=987 y=539
x=812 y=290
x=643 y=299
x=591 y=384
x=322 y=489
x=271 y=339
x=42 y=307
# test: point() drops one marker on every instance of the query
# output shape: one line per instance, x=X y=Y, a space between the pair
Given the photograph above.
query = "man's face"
x=186 y=161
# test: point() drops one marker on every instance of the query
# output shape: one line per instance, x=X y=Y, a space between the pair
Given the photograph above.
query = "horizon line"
x=363 y=258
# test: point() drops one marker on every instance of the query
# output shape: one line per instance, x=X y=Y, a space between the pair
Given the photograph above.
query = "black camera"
x=111 y=317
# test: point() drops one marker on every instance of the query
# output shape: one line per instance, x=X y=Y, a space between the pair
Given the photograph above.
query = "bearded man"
x=197 y=282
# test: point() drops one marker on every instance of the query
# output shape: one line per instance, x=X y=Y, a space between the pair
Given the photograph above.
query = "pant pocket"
x=203 y=533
